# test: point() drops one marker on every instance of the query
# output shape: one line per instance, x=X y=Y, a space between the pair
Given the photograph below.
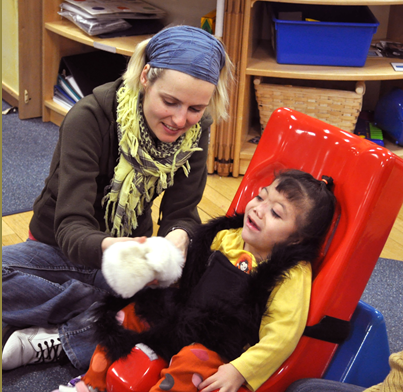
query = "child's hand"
x=227 y=379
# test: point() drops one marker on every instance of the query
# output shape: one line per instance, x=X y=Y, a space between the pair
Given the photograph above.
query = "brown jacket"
x=68 y=213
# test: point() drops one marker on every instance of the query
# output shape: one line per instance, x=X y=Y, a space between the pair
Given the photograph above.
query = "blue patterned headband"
x=187 y=49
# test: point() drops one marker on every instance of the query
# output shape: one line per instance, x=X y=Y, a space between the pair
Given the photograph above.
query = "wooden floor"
x=216 y=199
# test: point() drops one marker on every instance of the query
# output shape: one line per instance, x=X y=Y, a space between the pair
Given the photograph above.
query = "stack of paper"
x=112 y=9
x=97 y=17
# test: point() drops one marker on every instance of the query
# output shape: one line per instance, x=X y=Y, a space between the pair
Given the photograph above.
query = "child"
x=242 y=302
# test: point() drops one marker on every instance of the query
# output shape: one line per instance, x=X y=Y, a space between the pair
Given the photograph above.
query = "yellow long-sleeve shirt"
x=281 y=330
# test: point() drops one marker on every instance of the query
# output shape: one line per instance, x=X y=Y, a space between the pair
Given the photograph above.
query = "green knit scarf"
x=145 y=168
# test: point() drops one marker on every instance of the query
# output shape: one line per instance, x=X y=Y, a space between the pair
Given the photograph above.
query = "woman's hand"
x=227 y=379
x=180 y=239
x=108 y=241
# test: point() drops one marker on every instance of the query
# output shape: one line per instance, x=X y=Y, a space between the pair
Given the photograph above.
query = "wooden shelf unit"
x=258 y=59
x=62 y=38
x=263 y=63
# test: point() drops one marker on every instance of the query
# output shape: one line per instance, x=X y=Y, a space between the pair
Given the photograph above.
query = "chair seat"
x=369 y=191
x=363 y=359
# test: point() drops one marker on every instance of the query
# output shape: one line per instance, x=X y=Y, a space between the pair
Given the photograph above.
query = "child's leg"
x=96 y=374
x=188 y=369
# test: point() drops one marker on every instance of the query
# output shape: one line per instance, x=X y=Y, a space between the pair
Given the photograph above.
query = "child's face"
x=269 y=219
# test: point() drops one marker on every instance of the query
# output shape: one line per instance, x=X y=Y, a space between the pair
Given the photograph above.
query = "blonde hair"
x=218 y=107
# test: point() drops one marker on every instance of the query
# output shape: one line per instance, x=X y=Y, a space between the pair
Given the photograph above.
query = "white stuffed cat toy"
x=129 y=266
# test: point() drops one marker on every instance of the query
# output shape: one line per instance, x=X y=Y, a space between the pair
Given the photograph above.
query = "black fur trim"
x=200 y=252
x=224 y=326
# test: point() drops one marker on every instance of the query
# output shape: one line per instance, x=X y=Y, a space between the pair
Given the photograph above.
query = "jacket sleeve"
x=179 y=203
x=77 y=229
x=280 y=330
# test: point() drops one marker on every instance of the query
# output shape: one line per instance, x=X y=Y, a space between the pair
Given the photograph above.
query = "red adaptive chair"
x=369 y=189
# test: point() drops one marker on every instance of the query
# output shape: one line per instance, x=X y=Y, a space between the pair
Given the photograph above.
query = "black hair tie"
x=328 y=181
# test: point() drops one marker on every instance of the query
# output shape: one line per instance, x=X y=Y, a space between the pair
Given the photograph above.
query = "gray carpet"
x=27 y=149
x=384 y=291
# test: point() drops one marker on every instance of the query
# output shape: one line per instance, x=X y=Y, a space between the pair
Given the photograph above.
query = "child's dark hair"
x=314 y=198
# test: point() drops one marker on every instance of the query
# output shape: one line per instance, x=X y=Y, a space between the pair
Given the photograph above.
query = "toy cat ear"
x=125 y=267
x=129 y=266
x=166 y=259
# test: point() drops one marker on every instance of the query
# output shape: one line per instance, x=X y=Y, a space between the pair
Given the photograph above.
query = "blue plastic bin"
x=363 y=359
x=339 y=36
x=389 y=114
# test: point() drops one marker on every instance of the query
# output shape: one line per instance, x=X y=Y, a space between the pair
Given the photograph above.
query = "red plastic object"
x=369 y=189
x=137 y=372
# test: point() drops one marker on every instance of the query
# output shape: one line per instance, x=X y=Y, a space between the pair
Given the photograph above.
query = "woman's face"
x=269 y=219
x=174 y=103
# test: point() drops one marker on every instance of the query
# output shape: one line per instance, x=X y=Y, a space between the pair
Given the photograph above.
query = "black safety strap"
x=329 y=329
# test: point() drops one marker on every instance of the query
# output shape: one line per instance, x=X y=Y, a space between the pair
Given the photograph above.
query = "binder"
x=93 y=69
x=59 y=92
x=66 y=86
x=62 y=103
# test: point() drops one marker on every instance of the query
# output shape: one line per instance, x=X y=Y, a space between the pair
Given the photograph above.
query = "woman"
x=119 y=148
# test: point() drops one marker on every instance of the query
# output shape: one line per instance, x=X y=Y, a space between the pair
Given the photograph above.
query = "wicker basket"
x=336 y=107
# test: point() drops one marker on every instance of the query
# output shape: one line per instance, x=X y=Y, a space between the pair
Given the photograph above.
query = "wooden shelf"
x=398 y=150
x=258 y=59
x=63 y=38
x=248 y=149
x=120 y=45
x=263 y=63
x=57 y=108
x=53 y=112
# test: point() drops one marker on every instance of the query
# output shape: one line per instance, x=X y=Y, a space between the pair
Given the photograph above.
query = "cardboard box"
x=208 y=22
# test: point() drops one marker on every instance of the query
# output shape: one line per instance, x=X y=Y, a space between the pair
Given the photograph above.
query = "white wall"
x=381 y=12
x=185 y=11
x=9 y=31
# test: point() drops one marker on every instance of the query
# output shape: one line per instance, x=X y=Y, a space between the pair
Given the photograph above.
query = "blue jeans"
x=41 y=287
